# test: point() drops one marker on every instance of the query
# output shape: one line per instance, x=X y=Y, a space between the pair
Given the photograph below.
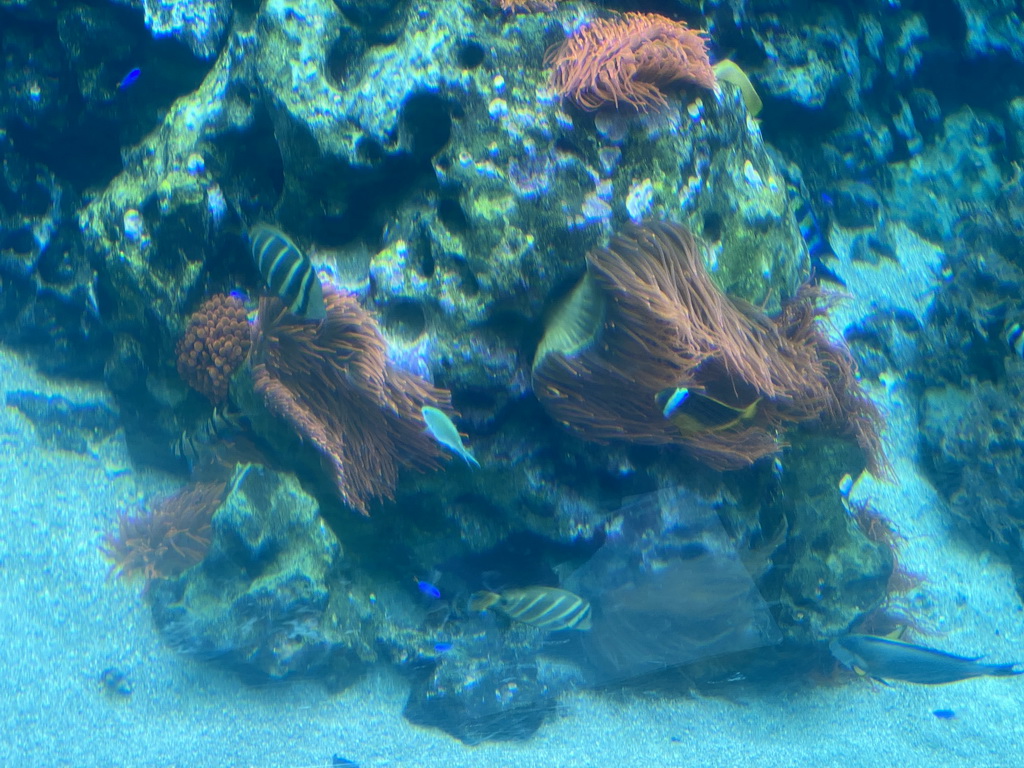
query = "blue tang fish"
x=446 y=433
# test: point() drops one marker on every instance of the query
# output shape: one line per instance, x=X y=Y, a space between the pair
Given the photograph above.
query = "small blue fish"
x=1015 y=338
x=696 y=412
x=129 y=79
x=676 y=399
x=428 y=589
x=944 y=714
x=442 y=647
x=777 y=469
x=441 y=428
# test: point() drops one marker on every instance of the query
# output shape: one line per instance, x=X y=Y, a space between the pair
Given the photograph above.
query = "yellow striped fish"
x=547 y=608
x=288 y=272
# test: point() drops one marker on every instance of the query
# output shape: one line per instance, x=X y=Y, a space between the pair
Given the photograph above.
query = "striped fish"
x=288 y=272
x=223 y=422
x=818 y=246
x=1015 y=338
x=547 y=608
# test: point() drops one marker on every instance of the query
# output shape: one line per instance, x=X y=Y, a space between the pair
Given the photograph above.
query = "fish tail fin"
x=481 y=601
x=1003 y=670
x=471 y=459
x=750 y=411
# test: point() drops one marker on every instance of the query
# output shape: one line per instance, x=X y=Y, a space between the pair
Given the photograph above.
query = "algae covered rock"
x=829 y=573
x=424 y=142
x=973 y=441
x=258 y=601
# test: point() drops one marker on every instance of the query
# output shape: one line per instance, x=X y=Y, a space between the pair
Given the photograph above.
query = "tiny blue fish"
x=944 y=714
x=428 y=589
x=442 y=647
x=777 y=469
x=1015 y=338
x=129 y=79
x=674 y=401
x=441 y=428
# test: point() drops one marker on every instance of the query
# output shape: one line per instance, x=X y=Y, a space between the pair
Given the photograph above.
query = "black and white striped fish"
x=546 y=608
x=811 y=230
x=223 y=422
x=288 y=272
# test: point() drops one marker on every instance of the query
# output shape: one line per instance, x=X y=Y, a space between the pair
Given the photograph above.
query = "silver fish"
x=886 y=659
x=546 y=608
x=288 y=272
x=441 y=428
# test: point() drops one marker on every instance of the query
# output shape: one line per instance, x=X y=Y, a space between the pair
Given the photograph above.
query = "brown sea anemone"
x=167 y=538
x=633 y=61
x=333 y=383
x=647 y=320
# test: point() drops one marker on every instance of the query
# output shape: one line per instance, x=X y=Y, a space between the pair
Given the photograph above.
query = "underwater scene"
x=511 y=383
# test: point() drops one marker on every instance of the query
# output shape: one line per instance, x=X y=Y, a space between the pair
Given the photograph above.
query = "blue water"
x=575 y=406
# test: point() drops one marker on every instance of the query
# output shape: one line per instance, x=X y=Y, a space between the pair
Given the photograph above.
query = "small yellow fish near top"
x=441 y=428
x=728 y=71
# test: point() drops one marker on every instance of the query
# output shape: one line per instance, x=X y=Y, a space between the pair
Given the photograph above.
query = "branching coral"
x=647 y=319
x=214 y=346
x=334 y=384
x=629 y=61
x=167 y=538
